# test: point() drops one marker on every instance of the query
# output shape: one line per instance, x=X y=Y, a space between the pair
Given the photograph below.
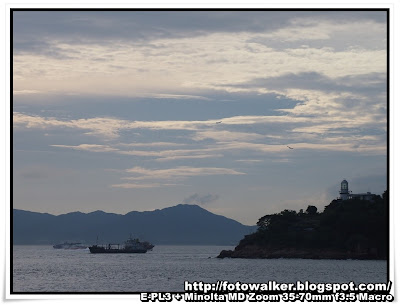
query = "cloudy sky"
x=141 y=110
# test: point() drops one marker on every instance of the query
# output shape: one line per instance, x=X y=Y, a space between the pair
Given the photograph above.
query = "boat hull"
x=95 y=249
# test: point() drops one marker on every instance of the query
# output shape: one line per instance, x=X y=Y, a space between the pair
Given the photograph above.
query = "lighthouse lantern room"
x=344 y=190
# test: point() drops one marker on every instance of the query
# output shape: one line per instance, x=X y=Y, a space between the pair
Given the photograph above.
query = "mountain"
x=182 y=224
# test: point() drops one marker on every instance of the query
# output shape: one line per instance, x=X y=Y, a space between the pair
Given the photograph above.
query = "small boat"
x=69 y=246
x=130 y=246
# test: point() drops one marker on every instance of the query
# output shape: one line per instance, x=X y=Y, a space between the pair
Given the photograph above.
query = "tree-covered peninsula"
x=346 y=229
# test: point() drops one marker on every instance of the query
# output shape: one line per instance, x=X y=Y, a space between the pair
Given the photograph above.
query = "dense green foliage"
x=352 y=226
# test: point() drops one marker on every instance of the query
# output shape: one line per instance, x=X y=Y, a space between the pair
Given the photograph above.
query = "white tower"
x=344 y=190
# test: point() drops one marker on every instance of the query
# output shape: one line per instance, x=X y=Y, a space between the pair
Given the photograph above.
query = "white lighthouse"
x=344 y=190
x=345 y=194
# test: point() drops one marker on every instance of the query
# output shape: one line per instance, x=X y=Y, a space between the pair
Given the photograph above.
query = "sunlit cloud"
x=179 y=96
x=189 y=156
x=105 y=127
x=305 y=132
x=224 y=140
x=307 y=30
x=89 y=147
x=181 y=172
x=226 y=135
x=25 y=92
x=124 y=68
x=142 y=186
x=151 y=144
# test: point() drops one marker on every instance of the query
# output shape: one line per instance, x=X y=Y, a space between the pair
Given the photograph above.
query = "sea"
x=42 y=269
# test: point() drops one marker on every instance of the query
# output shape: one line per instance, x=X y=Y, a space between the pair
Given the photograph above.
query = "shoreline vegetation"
x=346 y=229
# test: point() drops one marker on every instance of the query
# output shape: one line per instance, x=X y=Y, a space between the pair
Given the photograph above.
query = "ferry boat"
x=132 y=245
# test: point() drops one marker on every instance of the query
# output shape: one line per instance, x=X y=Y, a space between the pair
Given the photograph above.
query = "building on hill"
x=346 y=194
x=344 y=190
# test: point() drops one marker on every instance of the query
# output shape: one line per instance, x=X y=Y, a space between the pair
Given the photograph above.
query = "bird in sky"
x=289 y=147
x=219 y=122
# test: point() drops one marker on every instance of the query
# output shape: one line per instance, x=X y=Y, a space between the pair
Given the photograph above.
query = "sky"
x=139 y=110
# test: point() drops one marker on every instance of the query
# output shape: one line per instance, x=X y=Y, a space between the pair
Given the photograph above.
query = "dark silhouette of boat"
x=132 y=245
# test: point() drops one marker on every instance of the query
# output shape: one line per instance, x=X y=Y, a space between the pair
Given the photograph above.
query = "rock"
x=225 y=253
x=255 y=251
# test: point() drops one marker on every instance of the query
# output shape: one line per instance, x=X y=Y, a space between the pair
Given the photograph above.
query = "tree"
x=312 y=210
x=264 y=221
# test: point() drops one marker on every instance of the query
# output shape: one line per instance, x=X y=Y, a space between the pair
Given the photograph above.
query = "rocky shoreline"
x=253 y=251
x=346 y=229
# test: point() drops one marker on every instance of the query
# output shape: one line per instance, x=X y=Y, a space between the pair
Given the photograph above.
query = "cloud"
x=151 y=144
x=179 y=96
x=173 y=153
x=350 y=100
x=145 y=26
x=353 y=143
x=178 y=173
x=142 y=185
x=200 y=199
x=362 y=84
x=89 y=147
x=110 y=127
x=308 y=30
x=104 y=127
x=249 y=161
x=342 y=129
x=156 y=178
x=144 y=90
x=122 y=66
x=162 y=155
x=25 y=92
x=226 y=135
x=183 y=157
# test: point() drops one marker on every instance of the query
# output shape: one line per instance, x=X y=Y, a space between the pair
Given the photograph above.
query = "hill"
x=180 y=225
x=350 y=229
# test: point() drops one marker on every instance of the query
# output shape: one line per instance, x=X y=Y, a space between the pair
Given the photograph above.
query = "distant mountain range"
x=182 y=224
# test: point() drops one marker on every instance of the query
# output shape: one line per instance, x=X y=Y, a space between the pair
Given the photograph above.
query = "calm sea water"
x=165 y=268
